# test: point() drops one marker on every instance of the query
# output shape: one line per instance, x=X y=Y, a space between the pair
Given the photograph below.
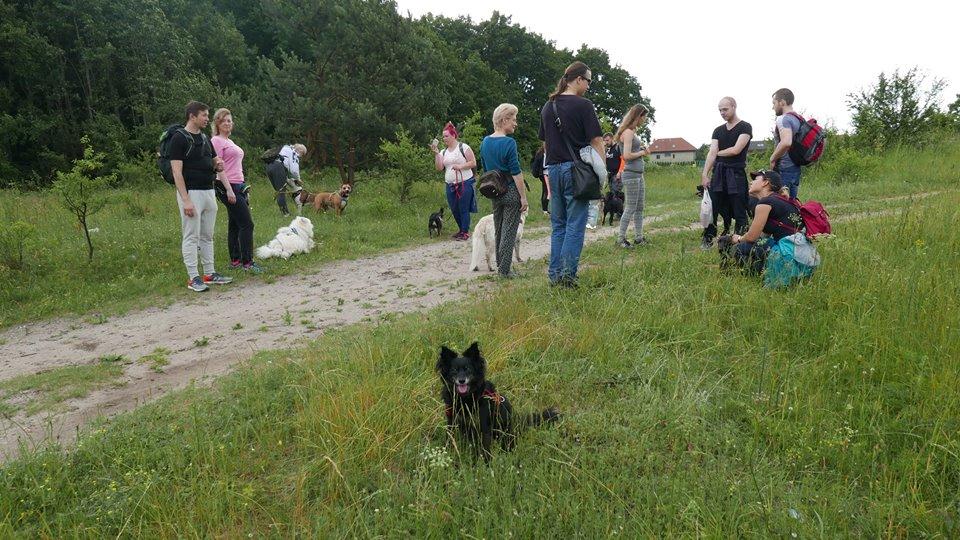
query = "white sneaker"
x=591 y=227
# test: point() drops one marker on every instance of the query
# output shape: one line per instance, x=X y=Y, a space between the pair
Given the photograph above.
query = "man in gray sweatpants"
x=195 y=166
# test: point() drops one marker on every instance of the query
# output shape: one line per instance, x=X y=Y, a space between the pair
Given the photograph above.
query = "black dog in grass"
x=474 y=405
x=435 y=223
x=612 y=206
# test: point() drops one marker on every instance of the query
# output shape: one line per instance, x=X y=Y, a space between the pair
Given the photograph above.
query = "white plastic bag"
x=706 y=210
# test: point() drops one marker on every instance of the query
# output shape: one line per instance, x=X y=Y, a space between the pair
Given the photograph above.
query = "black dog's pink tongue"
x=462 y=388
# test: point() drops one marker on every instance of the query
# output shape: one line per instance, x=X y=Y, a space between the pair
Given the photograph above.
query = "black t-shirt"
x=198 y=172
x=580 y=126
x=613 y=159
x=785 y=213
x=728 y=139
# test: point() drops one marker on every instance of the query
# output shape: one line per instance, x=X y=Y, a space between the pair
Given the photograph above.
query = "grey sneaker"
x=253 y=268
x=624 y=243
x=642 y=241
x=217 y=278
x=197 y=285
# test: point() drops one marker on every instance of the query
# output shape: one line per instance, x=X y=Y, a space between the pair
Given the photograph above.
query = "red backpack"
x=808 y=142
x=815 y=218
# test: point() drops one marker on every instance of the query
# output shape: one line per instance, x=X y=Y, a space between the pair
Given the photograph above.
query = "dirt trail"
x=239 y=321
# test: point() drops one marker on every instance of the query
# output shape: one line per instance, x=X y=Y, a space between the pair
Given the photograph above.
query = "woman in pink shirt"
x=239 y=221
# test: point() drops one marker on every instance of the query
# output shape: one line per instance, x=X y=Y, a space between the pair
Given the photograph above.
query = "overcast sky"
x=687 y=55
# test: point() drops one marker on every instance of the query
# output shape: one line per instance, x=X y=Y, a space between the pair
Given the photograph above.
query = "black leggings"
x=239 y=225
x=544 y=201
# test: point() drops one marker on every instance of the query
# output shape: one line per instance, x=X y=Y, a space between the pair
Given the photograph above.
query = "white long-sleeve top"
x=291 y=160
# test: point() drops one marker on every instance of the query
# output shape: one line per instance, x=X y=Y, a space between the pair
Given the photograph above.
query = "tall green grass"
x=695 y=402
x=138 y=260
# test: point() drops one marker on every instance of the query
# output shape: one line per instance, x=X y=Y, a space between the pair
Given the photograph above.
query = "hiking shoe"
x=466 y=235
x=706 y=244
x=642 y=241
x=625 y=243
x=217 y=279
x=197 y=285
x=253 y=268
x=235 y=263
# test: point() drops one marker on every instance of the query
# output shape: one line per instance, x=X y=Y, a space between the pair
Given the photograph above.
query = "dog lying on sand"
x=485 y=243
x=475 y=407
x=296 y=238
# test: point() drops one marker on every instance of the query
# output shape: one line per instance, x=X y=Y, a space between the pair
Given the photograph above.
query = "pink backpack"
x=815 y=218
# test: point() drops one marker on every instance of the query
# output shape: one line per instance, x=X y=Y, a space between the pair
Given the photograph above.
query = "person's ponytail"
x=574 y=70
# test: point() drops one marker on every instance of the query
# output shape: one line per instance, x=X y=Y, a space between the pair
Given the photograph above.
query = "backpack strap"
x=563 y=135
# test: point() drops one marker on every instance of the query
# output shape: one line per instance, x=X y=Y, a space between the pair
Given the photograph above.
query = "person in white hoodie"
x=284 y=173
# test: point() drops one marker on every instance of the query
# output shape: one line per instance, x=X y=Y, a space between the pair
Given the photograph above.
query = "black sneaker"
x=642 y=241
x=625 y=243
x=706 y=244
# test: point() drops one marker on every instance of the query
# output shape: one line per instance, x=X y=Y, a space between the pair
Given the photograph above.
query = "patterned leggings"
x=635 y=194
x=506 y=219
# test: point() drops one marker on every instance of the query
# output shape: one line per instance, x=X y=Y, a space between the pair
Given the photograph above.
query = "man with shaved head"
x=725 y=172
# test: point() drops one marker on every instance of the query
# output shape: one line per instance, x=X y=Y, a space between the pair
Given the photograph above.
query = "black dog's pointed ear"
x=473 y=351
x=446 y=355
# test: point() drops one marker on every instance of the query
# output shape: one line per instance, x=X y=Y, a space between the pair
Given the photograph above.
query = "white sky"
x=689 y=54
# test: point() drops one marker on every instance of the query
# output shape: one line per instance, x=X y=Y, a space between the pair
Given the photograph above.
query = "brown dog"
x=337 y=201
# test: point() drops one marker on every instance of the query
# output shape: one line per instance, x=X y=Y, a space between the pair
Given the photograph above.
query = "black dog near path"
x=435 y=223
x=475 y=407
x=612 y=205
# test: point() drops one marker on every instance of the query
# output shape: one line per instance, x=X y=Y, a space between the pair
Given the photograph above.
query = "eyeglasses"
x=586 y=79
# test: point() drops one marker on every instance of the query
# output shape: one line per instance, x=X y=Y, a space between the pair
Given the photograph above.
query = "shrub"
x=13 y=237
x=81 y=190
x=408 y=162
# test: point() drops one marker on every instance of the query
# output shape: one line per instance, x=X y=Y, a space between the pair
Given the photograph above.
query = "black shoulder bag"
x=493 y=183
x=586 y=183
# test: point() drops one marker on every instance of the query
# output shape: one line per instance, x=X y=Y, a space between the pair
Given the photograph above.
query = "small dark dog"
x=612 y=206
x=435 y=223
x=726 y=246
x=474 y=405
x=700 y=190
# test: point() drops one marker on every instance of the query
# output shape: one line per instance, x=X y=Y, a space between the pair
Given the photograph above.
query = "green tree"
x=898 y=109
x=81 y=191
x=409 y=162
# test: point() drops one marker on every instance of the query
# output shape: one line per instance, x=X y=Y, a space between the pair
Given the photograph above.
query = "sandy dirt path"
x=269 y=316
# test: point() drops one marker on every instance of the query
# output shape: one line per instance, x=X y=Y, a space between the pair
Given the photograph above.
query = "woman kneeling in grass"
x=775 y=227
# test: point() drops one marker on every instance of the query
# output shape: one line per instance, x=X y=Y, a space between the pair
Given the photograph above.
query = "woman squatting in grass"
x=499 y=153
x=634 y=190
x=239 y=220
x=458 y=163
x=774 y=216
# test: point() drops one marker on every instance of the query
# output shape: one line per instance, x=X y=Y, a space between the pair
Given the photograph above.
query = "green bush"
x=13 y=238
x=847 y=165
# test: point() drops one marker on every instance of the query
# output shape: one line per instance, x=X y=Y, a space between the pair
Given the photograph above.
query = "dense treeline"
x=339 y=75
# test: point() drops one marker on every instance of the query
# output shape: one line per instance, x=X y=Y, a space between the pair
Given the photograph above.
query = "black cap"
x=776 y=182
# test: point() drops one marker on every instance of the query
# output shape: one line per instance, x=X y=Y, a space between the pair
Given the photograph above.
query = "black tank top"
x=784 y=218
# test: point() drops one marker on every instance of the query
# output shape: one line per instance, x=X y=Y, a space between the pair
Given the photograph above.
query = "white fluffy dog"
x=297 y=238
x=485 y=243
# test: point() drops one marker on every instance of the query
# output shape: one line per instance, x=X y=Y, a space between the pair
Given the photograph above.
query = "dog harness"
x=489 y=394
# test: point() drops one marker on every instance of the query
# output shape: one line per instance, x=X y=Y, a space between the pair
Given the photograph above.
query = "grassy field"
x=695 y=403
x=137 y=261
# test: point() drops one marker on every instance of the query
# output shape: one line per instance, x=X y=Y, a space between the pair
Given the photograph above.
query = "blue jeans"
x=461 y=199
x=568 y=220
x=791 y=179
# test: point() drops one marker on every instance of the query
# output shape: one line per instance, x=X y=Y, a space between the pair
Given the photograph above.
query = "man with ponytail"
x=568 y=120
